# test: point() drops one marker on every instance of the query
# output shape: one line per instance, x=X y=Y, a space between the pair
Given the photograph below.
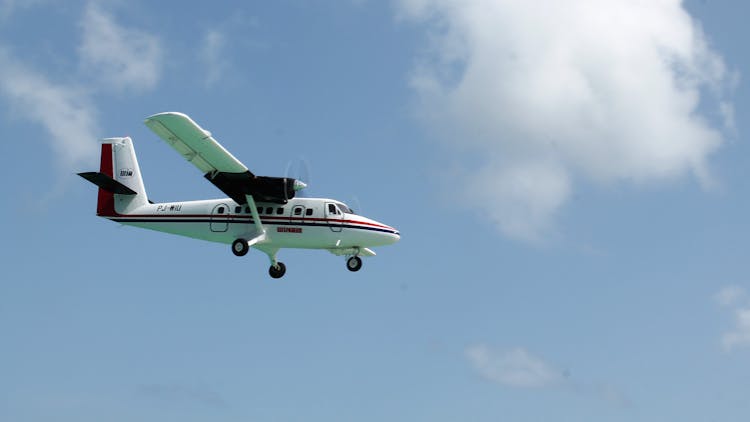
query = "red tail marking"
x=105 y=205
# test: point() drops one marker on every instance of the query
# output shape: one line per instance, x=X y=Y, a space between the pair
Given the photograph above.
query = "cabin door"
x=334 y=216
x=219 y=218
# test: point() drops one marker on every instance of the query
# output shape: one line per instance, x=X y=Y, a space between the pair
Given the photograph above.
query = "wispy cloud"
x=212 y=56
x=120 y=57
x=65 y=112
x=514 y=368
x=518 y=368
x=542 y=95
x=735 y=299
x=8 y=7
x=221 y=42
x=730 y=295
x=740 y=334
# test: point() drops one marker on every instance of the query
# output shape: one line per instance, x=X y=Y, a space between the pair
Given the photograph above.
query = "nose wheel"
x=278 y=270
x=354 y=263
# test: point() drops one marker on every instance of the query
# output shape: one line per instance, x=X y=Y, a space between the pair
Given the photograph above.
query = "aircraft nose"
x=394 y=236
x=377 y=233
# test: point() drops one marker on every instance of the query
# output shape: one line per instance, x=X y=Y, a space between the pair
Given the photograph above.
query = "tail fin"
x=121 y=188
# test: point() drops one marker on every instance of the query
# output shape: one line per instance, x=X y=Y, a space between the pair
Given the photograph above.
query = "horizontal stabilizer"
x=107 y=183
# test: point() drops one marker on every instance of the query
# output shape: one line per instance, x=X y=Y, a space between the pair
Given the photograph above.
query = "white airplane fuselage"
x=308 y=223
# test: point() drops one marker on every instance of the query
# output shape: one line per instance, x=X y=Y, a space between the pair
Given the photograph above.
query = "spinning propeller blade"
x=302 y=178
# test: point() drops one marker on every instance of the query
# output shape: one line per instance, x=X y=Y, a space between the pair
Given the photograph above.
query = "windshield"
x=345 y=209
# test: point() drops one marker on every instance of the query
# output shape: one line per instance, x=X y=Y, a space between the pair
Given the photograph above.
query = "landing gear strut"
x=277 y=271
x=240 y=247
x=354 y=263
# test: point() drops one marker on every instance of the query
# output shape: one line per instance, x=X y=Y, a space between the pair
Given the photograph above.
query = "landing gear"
x=354 y=263
x=278 y=270
x=240 y=247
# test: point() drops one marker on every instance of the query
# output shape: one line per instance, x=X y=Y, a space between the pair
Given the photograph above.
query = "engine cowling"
x=262 y=188
x=277 y=189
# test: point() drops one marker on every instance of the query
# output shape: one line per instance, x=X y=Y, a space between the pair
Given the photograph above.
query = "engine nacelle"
x=262 y=188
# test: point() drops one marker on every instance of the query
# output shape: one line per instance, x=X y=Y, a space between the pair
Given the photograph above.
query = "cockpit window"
x=332 y=209
x=344 y=209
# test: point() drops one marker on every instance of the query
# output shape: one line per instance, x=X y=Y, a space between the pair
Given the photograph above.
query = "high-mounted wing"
x=220 y=167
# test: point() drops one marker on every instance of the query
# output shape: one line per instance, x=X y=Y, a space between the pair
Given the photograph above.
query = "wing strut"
x=261 y=236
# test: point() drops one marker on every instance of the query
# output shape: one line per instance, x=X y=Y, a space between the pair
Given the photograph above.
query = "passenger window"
x=298 y=211
x=269 y=210
x=331 y=209
x=220 y=210
x=247 y=210
x=308 y=211
x=237 y=210
x=260 y=210
x=279 y=210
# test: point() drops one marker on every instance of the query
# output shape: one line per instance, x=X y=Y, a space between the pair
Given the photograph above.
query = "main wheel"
x=239 y=247
x=354 y=263
x=278 y=270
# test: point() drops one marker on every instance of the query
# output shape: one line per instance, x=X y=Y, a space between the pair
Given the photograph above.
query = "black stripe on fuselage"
x=244 y=221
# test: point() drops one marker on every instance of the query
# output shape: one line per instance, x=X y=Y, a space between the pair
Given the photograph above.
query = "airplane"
x=261 y=212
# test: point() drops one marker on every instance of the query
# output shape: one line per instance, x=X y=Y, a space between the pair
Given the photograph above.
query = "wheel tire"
x=239 y=247
x=354 y=263
x=277 y=271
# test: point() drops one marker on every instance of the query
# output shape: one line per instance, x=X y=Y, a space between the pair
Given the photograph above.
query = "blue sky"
x=570 y=183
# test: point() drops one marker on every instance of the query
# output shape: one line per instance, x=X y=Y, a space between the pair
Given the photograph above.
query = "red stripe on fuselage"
x=268 y=219
x=246 y=219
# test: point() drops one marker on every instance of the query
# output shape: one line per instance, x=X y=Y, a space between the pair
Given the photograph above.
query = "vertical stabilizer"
x=121 y=189
x=126 y=171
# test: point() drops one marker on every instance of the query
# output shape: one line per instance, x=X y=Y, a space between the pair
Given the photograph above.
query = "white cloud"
x=64 y=111
x=121 y=58
x=735 y=298
x=211 y=54
x=514 y=368
x=545 y=93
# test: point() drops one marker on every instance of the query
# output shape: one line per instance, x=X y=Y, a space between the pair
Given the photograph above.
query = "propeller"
x=355 y=205
x=303 y=175
x=302 y=179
